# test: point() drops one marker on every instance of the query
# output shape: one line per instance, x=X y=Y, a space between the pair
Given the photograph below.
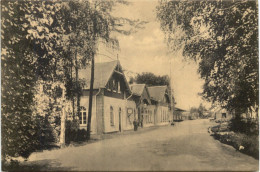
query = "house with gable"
x=146 y=107
x=113 y=108
x=160 y=94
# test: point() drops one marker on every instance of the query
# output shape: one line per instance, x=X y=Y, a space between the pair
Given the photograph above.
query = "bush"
x=251 y=145
x=247 y=144
x=249 y=127
x=19 y=135
x=73 y=133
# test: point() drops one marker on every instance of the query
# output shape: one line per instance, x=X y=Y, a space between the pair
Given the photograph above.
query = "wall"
x=218 y=115
x=159 y=116
x=84 y=101
x=149 y=122
x=116 y=104
x=100 y=112
x=130 y=115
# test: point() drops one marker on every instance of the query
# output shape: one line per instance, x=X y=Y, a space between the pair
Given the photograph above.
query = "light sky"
x=147 y=51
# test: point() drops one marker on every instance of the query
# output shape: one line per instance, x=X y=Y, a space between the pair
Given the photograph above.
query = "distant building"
x=221 y=113
x=178 y=114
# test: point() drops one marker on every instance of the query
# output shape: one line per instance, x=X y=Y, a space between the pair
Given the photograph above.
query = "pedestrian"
x=135 y=125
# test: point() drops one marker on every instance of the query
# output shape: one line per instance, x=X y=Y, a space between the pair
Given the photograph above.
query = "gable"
x=157 y=92
x=116 y=83
x=103 y=73
x=145 y=95
x=137 y=89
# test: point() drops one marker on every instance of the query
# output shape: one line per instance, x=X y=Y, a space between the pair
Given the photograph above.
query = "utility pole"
x=171 y=100
x=91 y=82
x=90 y=95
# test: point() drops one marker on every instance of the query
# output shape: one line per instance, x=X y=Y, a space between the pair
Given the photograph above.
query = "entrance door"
x=119 y=118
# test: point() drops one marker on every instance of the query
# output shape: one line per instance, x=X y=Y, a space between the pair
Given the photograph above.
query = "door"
x=119 y=118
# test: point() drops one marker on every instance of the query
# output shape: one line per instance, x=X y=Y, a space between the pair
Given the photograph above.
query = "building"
x=145 y=106
x=178 y=114
x=113 y=108
x=161 y=98
x=221 y=113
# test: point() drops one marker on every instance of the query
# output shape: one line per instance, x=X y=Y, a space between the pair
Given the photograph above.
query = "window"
x=118 y=87
x=112 y=123
x=114 y=86
x=83 y=115
x=163 y=116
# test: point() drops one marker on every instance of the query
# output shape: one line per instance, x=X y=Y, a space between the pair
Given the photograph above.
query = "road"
x=185 y=146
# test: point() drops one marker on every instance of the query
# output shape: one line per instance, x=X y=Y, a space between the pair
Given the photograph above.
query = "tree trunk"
x=62 y=128
x=72 y=96
x=77 y=83
x=90 y=96
x=63 y=122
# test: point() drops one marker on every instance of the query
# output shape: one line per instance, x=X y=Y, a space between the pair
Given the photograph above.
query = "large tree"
x=223 y=37
x=25 y=25
x=42 y=42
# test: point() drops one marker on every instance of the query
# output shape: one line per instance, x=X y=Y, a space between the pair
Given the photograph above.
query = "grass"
x=247 y=144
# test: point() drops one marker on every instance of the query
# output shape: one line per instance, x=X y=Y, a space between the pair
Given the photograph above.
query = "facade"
x=146 y=108
x=116 y=104
x=113 y=108
x=220 y=113
x=160 y=95
x=178 y=114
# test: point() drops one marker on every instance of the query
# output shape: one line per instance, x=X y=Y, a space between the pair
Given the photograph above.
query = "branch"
x=232 y=6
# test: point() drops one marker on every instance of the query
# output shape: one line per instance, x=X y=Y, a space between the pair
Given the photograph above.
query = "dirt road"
x=185 y=146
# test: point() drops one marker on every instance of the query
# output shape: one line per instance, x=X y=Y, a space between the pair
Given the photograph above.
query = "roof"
x=179 y=109
x=157 y=92
x=103 y=72
x=137 y=89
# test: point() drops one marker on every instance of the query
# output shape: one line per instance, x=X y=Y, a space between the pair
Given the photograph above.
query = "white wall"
x=84 y=101
x=152 y=123
x=116 y=104
x=160 y=111
x=128 y=119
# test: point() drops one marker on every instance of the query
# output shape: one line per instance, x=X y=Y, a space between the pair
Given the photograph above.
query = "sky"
x=147 y=51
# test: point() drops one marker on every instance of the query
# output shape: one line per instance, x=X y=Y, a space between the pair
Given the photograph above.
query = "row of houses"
x=117 y=104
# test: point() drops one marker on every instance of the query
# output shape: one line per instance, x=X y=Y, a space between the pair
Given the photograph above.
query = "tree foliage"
x=21 y=53
x=223 y=37
x=151 y=79
x=43 y=44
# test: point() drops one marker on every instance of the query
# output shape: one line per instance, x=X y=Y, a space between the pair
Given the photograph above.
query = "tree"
x=222 y=37
x=24 y=60
x=151 y=79
x=41 y=44
x=201 y=110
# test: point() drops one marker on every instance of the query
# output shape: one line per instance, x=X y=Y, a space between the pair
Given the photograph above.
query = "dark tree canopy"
x=222 y=36
x=151 y=79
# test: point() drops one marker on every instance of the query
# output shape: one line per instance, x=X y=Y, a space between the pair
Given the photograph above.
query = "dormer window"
x=110 y=85
x=118 y=87
x=114 y=86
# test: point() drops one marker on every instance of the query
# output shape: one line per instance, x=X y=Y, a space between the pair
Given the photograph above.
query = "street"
x=185 y=146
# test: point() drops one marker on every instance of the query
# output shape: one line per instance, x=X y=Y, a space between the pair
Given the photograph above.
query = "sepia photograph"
x=129 y=85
